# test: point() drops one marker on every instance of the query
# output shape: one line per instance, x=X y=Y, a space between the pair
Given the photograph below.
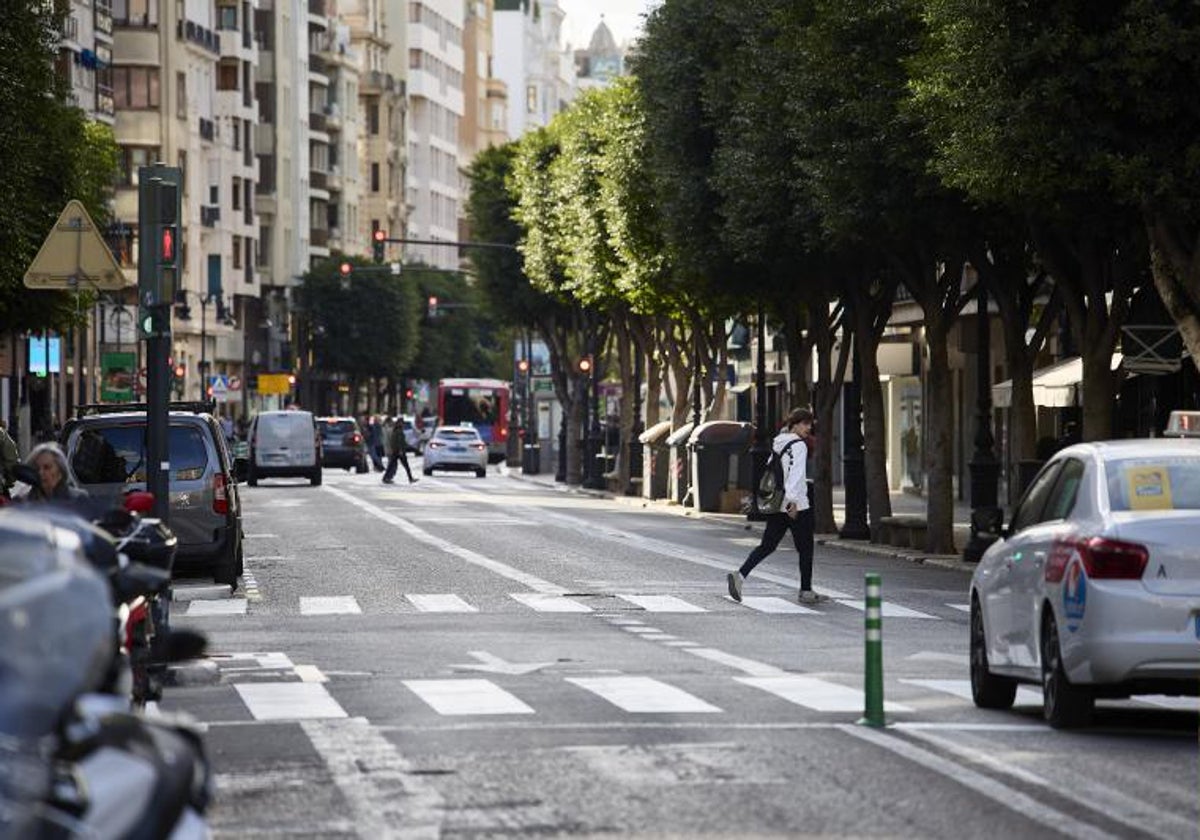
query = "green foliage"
x=368 y=329
x=463 y=339
x=51 y=154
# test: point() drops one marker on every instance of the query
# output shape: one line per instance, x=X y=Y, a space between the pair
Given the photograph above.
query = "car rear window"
x=458 y=434
x=112 y=454
x=336 y=427
x=1153 y=484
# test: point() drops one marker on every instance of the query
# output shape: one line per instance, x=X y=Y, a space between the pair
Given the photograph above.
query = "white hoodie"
x=795 y=470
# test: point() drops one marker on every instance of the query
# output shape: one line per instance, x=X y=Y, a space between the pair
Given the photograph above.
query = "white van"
x=284 y=443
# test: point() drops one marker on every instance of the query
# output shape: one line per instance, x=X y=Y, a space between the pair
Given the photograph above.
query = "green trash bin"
x=718 y=449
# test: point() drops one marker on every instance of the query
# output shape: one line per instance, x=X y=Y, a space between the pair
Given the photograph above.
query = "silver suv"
x=106 y=445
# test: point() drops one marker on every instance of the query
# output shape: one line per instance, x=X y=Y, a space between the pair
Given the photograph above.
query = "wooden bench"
x=904 y=531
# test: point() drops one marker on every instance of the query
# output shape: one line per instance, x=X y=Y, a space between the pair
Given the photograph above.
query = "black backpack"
x=770 y=485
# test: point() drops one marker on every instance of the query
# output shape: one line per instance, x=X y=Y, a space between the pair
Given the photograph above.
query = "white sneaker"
x=807 y=596
x=735 y=585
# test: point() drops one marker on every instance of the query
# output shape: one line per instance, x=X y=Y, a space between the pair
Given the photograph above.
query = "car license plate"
x=458 y=449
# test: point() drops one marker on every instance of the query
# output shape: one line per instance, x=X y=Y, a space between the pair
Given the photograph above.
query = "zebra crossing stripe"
x=440 y=603
x=543 y=602
x=232 y=606
x=1026 y=696
x=467 y=697
x=815 y=694
x=890 y=610
x=643 y=695
x=773 y=605
x=289 y=701
x=330 y=605
x=662 y=603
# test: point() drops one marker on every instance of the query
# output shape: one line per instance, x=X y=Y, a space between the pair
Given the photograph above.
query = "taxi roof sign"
x=74 y=255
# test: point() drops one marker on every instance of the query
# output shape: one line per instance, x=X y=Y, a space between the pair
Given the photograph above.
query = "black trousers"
x=401 y=457
x=779 y=524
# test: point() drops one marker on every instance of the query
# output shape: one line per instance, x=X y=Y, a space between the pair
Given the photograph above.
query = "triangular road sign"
x=74 y=255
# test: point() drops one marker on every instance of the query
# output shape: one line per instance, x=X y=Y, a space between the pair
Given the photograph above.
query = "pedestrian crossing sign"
x=218 y=387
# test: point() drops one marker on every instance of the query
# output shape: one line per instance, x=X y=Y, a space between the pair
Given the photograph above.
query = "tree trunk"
x=1022 y=423
x=866 y=345
x=829 y=382
x=625 y=363
x=1177 y=279
x=939 y=437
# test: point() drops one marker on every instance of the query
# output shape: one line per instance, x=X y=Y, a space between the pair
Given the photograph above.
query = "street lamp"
x=183 y=312
x=761 y=449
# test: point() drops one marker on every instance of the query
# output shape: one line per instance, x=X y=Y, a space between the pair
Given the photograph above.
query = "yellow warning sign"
x=74 y=255
x=1149 y=488
x=274 y=383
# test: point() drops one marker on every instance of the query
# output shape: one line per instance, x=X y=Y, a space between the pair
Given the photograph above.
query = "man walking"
x=796 y=515
x=396 y=447
x=375 y=448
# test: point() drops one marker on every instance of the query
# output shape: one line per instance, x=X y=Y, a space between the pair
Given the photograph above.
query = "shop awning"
x=1055 y=386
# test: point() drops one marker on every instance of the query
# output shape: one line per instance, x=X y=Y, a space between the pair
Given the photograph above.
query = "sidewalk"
x=903 y=504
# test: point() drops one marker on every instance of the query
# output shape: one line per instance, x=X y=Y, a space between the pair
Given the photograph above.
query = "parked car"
x=456 y=448
x=284 y=443
x=1183 y=424
x=1093 y=590
x=342 y=444
x=106 y=446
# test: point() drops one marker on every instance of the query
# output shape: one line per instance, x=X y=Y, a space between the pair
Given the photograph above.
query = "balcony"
x=333 y=116
x=317 y=180
x=208 y=129
x=316 y=122
x=377 y=82
x=316 y=7
x=316 y=64
x=202 y=37
x=318 y=238
x=104 y=21
x=104 y=100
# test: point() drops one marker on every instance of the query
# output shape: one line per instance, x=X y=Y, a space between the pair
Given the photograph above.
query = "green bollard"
x=873 y=714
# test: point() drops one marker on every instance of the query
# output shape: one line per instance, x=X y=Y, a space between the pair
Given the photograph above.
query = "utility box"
x=720 y=456
x=679 y=473
x=655 y=460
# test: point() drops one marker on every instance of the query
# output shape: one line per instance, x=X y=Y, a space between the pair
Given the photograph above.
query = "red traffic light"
x=433 y=300
x=180 y=370
x=168 y=244
x=345 y=268
x=523 y=365
x=379 y=235
x=585 y=364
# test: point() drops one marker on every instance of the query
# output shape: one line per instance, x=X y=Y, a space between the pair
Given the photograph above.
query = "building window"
x=183 y=171
x=237 y=193
x=374 y=177
x=135 y=12
x=227 y=75
x=531 y=99
x=131 y=158
x=181 y=102
x=135 y=88
x=227 y=17
x=372 y=118
x=237 y=252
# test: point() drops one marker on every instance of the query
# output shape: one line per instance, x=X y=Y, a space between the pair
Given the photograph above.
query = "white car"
x=456 y=448
x=1094 y=588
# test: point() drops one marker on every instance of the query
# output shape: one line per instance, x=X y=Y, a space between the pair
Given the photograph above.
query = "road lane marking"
x=329 y=605
x=640 y=630
x=661 y=603
x=440 y=603
x=996 y=791
x=816 y=694
x=746 y=666
x=385 y=798
x=233 y=606
x=773 y=605
x=960 y=659
x=289 y=701
x=1026 y=696
x=960 y=607
x=260 y=536
x=467 y=697
x=1164 y=701
x=643 y=695
x=310 y=674
x=890 y=610
x=534 y=582
x=543 y=602
x=1141 y=816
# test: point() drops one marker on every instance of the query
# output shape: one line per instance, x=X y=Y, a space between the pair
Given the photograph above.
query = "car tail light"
x=355 y=439
x=478 y=446
x=1101 y=557
x=502 y=432
x=220 y=494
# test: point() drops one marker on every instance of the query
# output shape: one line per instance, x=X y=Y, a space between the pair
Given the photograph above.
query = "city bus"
x=482 y=403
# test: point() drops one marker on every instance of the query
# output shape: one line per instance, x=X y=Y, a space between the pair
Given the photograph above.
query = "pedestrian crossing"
x=543 y=602
x=272 y=688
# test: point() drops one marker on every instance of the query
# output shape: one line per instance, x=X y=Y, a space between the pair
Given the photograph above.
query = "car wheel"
x=428 y=471
x=362 y=466
x=987 y=690
x=315 y=478
x=1065 y=706
x=227 y=572
x=480 y=473
x=252 y=476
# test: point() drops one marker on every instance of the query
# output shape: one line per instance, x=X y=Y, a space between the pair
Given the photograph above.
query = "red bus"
x=482 y=403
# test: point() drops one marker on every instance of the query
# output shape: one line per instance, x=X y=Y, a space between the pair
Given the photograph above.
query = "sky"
x=624 y=18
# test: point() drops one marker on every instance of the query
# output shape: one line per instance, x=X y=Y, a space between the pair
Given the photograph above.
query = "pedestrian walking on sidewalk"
x=396 y=447
x=796 y=515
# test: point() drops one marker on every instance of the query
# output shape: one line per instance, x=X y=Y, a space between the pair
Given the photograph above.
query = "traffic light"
x=522 y=366
x=345 y=269
x=585 y=365
x=379 y=238
x=433 y=306
x=158 y=229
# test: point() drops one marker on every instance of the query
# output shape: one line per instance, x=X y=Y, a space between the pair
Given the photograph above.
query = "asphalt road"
x=494 y=657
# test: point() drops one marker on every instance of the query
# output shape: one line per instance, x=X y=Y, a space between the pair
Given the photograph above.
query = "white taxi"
x=1093 y=589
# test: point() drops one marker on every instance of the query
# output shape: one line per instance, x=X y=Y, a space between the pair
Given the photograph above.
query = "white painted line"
x=960 y=659
x=533 y=582
x=440 y=603
x=260 y=536
x=746 y=666
x=310 y=674
x=233 y=606
x=200 y=592
x=662 y=603
x=643 y=695
x=1166 y=701
x=816 y=694
x=641 y=630
x=998 y=792
x=289 y=701
x=384 y=798
x=890 y=610
x=467 y=697
x=680 y=643
x=1026 y=696
x=1139 y=815
x=960 y=607
x=543 y=602
x=329 y=605
x=774 y=605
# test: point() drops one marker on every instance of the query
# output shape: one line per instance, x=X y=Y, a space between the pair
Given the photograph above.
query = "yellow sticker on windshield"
x=1149 y=488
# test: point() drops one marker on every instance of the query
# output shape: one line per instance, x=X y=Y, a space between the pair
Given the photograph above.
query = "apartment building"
x=339 y=118
x=435 y=108
x=485 y=95
x=537 y=71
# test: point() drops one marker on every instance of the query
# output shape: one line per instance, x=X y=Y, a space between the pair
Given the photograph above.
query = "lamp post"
x=634 y=445
x=761 y=449
x=532 y=456
x=986 y=515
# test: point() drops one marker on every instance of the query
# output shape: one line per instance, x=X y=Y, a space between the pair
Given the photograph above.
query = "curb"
x=942 y=561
